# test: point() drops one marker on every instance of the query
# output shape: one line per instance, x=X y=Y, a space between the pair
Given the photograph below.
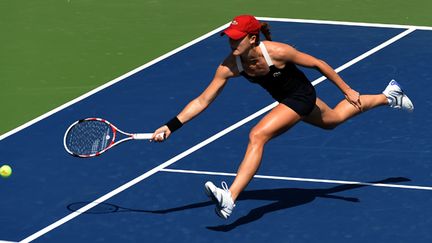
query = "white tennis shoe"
x=222 y=198
x=397 y=98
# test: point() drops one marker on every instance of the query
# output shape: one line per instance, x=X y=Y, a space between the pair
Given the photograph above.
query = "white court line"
x=196 y=147
x=359 y=24
x=5 y=241
x=284 y=178
x=370 y=52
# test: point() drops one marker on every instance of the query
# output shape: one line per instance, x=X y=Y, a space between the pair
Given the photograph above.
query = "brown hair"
x=265 y=30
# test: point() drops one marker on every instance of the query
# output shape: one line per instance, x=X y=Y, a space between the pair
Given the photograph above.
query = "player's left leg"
x=325 y=117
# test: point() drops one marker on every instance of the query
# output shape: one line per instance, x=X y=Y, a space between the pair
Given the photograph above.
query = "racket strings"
x=89 y=137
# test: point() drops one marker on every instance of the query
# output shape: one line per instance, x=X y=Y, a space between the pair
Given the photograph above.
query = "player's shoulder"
x=229 y=66
x=270 y=45
x=229 y=61
x=278 y=50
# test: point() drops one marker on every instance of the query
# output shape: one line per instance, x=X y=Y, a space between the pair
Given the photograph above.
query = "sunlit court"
x=368 y=180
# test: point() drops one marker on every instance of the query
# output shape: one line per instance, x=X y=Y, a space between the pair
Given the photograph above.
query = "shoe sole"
x=210 y=194
x=411 y=105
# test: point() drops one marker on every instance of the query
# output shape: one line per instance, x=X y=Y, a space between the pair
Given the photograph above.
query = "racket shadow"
x=107 y=208
x=281 y=198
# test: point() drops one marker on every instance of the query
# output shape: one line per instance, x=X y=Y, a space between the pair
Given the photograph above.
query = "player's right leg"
x=280 y=119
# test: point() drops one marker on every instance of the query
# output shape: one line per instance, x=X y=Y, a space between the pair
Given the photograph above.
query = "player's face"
x=242 y=45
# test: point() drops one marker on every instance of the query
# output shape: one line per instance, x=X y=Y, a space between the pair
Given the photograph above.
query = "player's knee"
x=331 y=122
x=258 y=136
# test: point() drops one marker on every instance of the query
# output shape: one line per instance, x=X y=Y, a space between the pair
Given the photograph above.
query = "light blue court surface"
x=43 y=200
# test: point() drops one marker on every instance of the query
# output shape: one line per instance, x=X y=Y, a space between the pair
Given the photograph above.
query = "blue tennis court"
x=368 y=180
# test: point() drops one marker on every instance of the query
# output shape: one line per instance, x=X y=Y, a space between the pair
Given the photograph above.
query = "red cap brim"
x=234 y=34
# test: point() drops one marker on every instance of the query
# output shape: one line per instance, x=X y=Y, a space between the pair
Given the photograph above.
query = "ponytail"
x=265 y=30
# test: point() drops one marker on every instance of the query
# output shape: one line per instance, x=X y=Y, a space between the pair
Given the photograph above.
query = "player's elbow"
x=320 y=64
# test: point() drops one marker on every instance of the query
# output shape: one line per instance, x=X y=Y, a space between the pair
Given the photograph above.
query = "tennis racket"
x=91 y=137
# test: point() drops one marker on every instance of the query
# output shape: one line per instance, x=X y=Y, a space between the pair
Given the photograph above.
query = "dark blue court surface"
x=380 y=146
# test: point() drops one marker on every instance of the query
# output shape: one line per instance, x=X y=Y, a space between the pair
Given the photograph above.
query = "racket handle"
x=143 y=136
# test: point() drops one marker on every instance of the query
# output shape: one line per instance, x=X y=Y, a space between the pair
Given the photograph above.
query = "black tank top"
x=280 y=83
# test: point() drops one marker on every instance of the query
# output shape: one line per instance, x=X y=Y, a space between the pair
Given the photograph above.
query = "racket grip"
x=143 y=136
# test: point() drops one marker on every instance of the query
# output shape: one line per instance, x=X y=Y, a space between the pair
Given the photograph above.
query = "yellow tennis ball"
x=5 y=171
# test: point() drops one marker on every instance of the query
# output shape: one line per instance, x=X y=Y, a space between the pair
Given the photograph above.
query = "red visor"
x=241 y=26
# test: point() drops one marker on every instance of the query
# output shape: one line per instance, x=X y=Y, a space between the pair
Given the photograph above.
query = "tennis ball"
x=5 y=171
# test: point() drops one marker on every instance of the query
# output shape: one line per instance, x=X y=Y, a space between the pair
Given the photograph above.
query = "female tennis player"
x=273 y=66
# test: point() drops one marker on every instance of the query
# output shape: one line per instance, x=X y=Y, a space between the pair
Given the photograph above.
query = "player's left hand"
x=353 y=97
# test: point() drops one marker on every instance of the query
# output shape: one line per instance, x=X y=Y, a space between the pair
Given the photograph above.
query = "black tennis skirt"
x=302 y=100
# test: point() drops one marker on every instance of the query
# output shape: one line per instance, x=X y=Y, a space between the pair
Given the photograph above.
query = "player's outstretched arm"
x=197 y=105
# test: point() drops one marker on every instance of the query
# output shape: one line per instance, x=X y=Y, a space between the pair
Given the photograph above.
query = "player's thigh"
x=321 y=116
x=278 y=120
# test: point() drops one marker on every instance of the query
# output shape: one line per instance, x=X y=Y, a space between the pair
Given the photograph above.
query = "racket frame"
x=129 y=136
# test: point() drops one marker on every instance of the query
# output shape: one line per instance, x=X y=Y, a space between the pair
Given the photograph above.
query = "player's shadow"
x=281 y=198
